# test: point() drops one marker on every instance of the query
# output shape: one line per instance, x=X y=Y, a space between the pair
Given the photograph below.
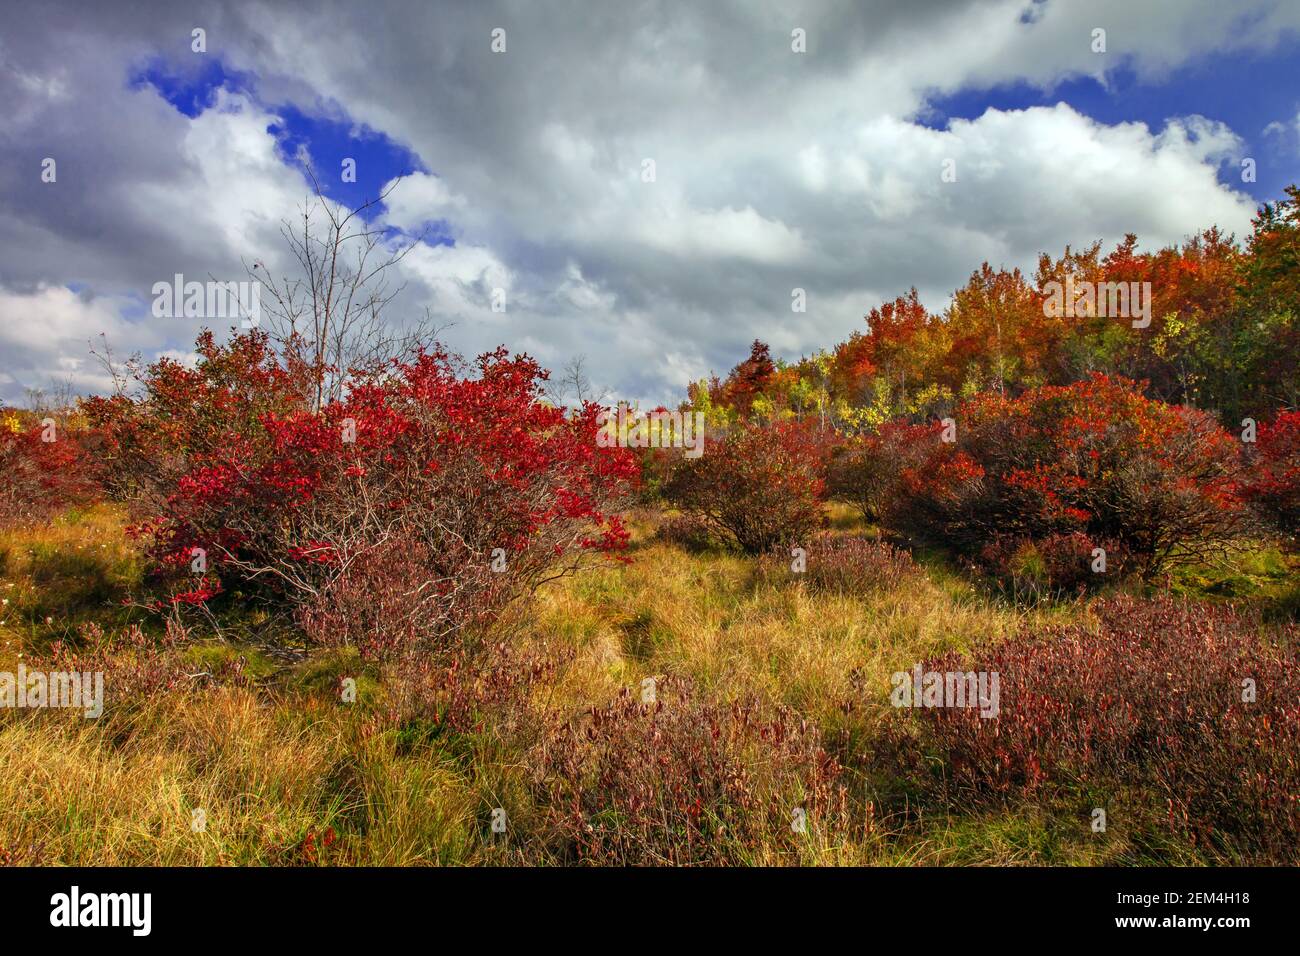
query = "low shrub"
x=758 y=485
x=689 y=780
x=137 y=667
x=47 y=468
x=1055 y=566
x=690 y=532
x=484 y=690
x=845 y=564
x=1187 y=701
x=684 y=779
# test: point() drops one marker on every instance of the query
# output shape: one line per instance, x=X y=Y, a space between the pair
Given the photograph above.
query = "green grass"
x=1262 y=575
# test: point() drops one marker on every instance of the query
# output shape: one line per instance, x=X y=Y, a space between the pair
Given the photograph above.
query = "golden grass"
x=261 y=776
x=702 y=616
x=76 y=568
x=271 y=765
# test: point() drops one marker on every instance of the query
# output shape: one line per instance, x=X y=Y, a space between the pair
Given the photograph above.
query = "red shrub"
x=187 y=417
x=447 y=494
x=1274 y=484
x=1056 y=565
x=1161 y=481
x=865 y=471
x=46 y=468
x=758 y=484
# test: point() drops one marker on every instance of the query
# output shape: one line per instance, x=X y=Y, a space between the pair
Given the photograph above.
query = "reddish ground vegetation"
x=1194 y=701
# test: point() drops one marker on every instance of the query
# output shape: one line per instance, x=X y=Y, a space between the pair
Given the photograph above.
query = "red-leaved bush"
x=864 y=471
x=760 y=485
x=1189 y=700
x=423 y=501
x=186 y=416
x=1164 y=482
x=1054 y=566
x=46 y=468
x=1274 y=485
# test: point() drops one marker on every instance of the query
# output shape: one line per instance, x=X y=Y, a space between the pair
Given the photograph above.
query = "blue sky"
x=1248 y=90
x=325 y=131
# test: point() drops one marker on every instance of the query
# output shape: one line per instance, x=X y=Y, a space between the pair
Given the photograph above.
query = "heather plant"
x=841 y=564
x=688 y=531
x=685 y=779
x=469 y=691
x=1192 y=702
x=137 y=666
x=669 y=776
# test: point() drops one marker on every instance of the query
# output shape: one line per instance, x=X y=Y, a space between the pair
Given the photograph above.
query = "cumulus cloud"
x=47 y=334
x=421 y=199
x=773 y=170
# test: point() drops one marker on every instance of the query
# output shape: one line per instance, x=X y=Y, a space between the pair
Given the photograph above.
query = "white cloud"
x=418 y=199
x=460 y=281
x=237 y=190
x=774 y=169
x=717 y=234
x=47 y=334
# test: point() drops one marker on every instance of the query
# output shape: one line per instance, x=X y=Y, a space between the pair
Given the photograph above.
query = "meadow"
x=254 y=733
x=356 y=599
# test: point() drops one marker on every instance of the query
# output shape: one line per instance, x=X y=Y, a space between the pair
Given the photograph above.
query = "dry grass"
x=287 y=774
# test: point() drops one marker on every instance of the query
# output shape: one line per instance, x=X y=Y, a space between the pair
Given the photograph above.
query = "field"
x=994 y=585
x=264 y=762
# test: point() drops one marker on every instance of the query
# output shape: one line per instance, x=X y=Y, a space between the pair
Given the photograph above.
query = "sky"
x=526 y=169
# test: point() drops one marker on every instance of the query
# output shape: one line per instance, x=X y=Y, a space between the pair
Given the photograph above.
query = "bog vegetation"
x=412 y=610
